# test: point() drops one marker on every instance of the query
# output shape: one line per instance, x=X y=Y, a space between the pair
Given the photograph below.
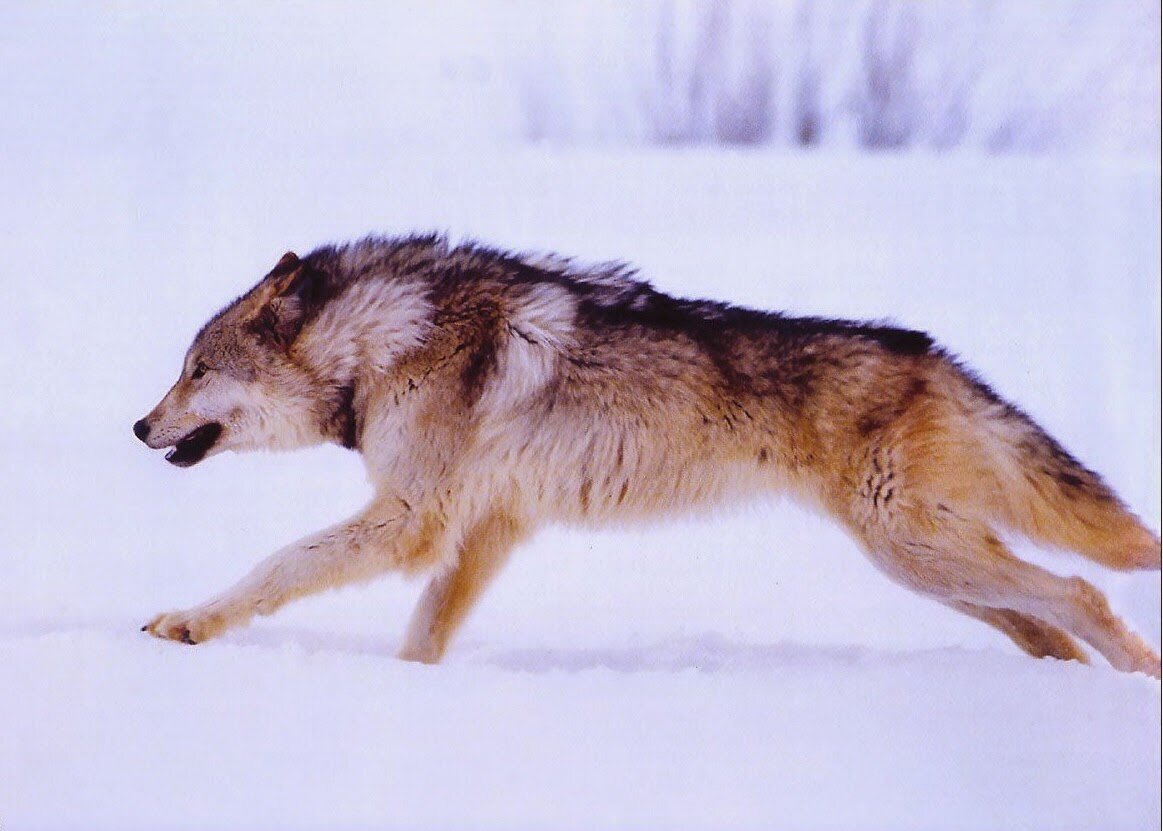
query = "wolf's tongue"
x=194 y=446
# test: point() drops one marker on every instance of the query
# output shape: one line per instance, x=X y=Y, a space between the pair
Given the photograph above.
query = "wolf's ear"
x=294 y=291
x=284 y=269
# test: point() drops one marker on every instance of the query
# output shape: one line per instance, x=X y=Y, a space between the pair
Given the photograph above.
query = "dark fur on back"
x=607 y=293
x=610 y=297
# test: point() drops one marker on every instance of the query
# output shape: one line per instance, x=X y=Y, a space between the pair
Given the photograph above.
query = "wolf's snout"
x=141 y=429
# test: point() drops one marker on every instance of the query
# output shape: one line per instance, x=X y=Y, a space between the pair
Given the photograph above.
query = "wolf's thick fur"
x=491 y=393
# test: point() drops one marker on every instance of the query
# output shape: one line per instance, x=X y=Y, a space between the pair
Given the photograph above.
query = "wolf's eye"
x=199 y=370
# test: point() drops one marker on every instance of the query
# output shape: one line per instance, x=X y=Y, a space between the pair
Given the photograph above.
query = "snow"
x=744 y=670
x=292 y=731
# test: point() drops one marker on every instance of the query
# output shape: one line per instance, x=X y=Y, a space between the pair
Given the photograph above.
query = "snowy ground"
x=739 y=671
x=748 y=670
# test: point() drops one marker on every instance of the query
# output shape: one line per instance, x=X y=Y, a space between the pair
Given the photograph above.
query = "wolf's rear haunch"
x=491 y=393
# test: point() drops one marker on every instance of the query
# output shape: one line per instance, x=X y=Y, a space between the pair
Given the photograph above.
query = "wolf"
x=490 y=393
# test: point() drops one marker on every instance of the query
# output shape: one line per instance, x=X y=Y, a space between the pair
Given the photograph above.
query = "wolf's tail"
x=1051 y=497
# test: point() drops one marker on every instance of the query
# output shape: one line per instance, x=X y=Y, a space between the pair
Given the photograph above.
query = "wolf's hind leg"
x=380 y=539
x=953 y=558
x=452 y=593
x=1033 y=636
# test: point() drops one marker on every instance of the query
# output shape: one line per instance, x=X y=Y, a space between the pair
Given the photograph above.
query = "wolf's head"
x=242 y=386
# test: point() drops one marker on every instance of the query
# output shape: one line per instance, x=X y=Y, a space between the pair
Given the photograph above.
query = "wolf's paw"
x=191 y=626
x=427 y=653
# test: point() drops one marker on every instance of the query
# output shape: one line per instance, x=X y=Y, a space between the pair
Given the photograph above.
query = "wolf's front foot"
x=427 y=653
x=190 y=626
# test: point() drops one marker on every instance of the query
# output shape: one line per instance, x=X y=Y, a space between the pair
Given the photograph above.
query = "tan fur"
x=451 y=594
x=1032 y=635
x=491 y=394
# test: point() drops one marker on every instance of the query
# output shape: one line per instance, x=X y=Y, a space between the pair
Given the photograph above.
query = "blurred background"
x=986 y=170
x=987 y=75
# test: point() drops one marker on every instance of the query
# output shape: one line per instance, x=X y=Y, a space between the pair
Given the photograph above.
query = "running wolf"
x=490 y=393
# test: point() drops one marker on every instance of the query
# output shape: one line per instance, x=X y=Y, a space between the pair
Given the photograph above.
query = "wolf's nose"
x=141 y=429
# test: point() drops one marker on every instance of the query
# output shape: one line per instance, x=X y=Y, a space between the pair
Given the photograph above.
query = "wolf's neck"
x=365 y=329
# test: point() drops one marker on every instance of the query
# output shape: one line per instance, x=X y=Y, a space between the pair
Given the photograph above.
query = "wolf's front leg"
x=376 y=541
x=451 y=594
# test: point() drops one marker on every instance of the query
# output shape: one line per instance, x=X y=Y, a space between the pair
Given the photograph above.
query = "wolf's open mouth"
x=191 y=449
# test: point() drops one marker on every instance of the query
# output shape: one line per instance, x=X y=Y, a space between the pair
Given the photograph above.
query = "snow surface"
x=748 y=670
